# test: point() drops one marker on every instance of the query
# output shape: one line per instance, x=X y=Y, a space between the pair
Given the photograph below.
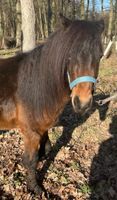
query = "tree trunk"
x=59 y=4
x=110 y=25
x=41 y=24
x=82 y=8
x=102 y=7
x=5 y=17
x=74 y=9
x=87 y=9
x=1 y=27
x=12 y=21
x=116 y=26
x=5 y=23
x=93 y=9
x=45 y=20
x=28 y=24
x=62 y=4
x=18 y=29
x=49 y=16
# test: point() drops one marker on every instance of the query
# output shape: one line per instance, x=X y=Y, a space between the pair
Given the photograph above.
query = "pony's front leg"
x=45 y=145
x=31 y=157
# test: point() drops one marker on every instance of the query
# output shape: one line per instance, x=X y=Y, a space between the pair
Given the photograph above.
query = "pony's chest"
x=7 y=113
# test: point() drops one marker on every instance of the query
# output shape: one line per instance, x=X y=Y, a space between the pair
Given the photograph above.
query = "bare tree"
x=110 y=25
x=49 y=16
x=73 y=8
x=116 y=25
x=87 y=9
x=93 y=9
x=28 y=24
x=82 y=9
x=102 y=7
x=11 y=4
x=1 y=28
x=18 y=29
x=5 y=17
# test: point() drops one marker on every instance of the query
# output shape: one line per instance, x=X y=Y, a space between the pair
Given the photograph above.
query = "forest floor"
x=83 y=162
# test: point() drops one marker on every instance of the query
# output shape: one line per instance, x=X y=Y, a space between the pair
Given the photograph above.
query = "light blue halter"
x=80 y=80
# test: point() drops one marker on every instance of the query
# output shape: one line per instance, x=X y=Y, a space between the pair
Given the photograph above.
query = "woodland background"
x=45 y=16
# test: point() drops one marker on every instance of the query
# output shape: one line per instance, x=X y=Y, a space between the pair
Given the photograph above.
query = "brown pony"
x=35 y=86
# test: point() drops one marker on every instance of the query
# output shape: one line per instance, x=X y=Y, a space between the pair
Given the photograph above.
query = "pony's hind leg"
x=31 y=156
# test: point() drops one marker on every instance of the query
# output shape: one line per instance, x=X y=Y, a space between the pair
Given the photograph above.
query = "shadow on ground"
x=69 y=120
x=103 y=174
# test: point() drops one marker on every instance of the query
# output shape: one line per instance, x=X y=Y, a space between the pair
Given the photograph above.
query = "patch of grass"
x=107 y=71
x=18 y=178
x=84 y=189
x=64 y=180
x=54 y=134
x=74 y=165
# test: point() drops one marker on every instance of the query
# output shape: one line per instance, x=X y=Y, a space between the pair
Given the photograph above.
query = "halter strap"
x=80 y=80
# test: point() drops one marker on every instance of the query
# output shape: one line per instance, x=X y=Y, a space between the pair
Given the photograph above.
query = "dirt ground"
x=83 y=162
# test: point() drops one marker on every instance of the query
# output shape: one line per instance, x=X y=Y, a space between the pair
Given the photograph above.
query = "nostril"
x=77 y=102
x=79 y=105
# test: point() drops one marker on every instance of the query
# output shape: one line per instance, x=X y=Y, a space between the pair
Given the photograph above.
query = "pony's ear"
x=64 y=21
x=101 y=25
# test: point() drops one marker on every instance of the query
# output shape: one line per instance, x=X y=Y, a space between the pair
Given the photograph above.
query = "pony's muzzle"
x=81 y=106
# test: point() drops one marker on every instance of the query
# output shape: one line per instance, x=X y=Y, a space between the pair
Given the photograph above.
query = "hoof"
x=33 y=185
x=38 y=190
x=35 y=189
